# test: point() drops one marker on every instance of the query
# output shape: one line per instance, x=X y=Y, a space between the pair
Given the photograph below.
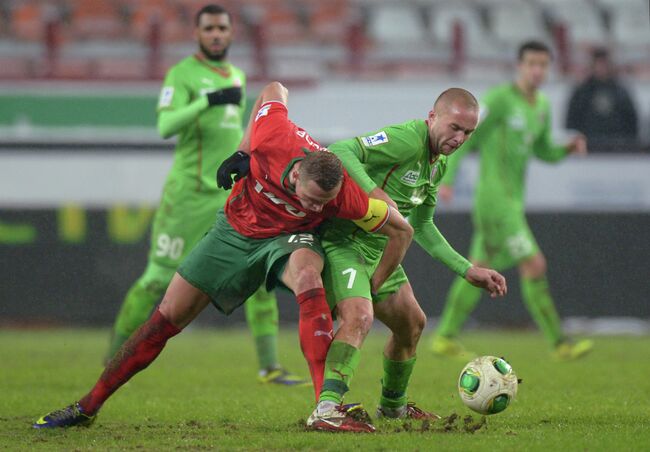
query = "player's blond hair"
x=322 y=167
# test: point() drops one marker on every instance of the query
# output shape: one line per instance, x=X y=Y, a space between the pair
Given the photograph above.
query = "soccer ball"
x=487 y=385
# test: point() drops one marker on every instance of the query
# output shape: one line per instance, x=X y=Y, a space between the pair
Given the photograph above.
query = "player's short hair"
x=533 y=46
x=211 y=9
x=322 y=167
x=459 y=96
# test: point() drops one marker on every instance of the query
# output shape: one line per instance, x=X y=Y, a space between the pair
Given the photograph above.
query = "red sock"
x=136 y=354
x=316 y=332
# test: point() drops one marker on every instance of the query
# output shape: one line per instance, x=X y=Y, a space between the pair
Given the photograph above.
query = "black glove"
x=237 y=164
x=225 y=96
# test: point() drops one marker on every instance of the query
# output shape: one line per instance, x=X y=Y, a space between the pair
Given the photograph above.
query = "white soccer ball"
x=487 y=385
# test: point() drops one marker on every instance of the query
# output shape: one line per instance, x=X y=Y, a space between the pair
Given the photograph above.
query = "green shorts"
x=230 y=267
x=502 y=242
x=350 y=263
x=182 y=219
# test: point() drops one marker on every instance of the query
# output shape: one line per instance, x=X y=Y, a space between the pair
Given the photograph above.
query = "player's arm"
x=545 y=149
x=428 y=236
x=238 y=164
x=177 y=109
x=386 y=220
x=353 y=157
x=433 y=242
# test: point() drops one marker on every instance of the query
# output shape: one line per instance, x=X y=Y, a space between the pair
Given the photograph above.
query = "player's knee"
x=356 y=316
x=307 y=277
x=535 y=267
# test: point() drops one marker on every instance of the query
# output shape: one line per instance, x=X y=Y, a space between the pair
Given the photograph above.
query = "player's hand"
x=237 y=164
x=578 y=145
x=225 y=96
x=487 y=279
x=446 y=193
x=378 y=193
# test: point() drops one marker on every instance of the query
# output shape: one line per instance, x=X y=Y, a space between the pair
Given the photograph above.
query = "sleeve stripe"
x=383 y=221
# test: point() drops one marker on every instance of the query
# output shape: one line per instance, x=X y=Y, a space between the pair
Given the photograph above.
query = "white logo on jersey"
x=166 y=96
x=305 y=136
x=288 y=207
x=374 y=140
x=231 y=118
x=207 y=81
x=262 y=112
x=410 y=177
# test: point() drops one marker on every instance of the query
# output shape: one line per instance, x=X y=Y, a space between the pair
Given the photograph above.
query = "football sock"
x=136 y=354
x=136 y=308
x=537 y=299
x=395 y=381
x=461 y=301
x=342 y=361
x=262 y=317
x=315 y=329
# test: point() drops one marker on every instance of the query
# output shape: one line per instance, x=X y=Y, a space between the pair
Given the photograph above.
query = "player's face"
x=450 y=127
x=214 y=35
x=312 y=197
x=533 y=67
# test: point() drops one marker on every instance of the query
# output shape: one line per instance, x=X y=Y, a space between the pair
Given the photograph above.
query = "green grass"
x=202 y=394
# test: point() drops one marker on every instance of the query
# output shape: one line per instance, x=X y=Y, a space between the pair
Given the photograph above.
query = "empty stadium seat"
x=515 y=21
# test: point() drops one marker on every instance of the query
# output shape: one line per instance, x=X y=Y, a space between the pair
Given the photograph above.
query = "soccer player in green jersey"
x=402 y=164
x=516 y=124
x=202 y=101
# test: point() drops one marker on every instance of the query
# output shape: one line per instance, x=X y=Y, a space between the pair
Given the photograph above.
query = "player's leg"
x=218 y=265
x=140 y=300
x=302 y=274
x=539 y=302
x=180 y=305
x=401 y=313
x=347 y=279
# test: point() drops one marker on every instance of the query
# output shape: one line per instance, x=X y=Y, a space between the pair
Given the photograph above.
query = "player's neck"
x=220 y=63
x=528 y=91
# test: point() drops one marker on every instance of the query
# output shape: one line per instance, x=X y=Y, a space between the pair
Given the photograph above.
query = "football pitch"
x=201 y=393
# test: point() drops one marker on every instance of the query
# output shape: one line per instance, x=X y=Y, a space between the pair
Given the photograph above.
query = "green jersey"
x=217 y=131
x=398 y=160
x=511 y=130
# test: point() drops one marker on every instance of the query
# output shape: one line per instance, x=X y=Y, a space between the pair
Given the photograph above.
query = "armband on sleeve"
x=376 y=216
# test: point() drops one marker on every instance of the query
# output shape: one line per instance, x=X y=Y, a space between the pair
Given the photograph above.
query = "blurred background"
x=82 y=166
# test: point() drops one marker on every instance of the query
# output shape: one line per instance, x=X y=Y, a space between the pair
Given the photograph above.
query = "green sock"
x=262 y=317
x=540 y=305
x=136 y=308
x=341 y=362
x=461 y=301
x=395 y=381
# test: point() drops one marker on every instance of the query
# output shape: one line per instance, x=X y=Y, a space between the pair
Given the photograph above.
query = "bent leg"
x=537 y=298
x=315 y=326
x=355 y=316
x=140 y=300
x=181 y=304
x=406 y=320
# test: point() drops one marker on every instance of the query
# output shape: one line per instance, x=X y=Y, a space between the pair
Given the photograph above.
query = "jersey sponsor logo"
x=410 y=177
x=376 y=139
x=305 y=136
x=166 y=96
x=264 y=111
x=288 y=207
x=207 y=81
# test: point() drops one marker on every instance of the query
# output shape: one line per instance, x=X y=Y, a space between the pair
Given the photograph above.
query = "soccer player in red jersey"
x=265 y=235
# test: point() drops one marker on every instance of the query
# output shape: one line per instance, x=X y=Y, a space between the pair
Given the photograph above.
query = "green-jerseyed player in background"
x=402 y=164
x=202 y=101
x=516 y=124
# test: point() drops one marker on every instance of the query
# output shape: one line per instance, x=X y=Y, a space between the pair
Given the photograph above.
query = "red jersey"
x=262 y=204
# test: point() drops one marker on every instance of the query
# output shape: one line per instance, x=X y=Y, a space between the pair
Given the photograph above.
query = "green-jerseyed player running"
x=402 y=164
x=202 y=101
x=515 y=125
